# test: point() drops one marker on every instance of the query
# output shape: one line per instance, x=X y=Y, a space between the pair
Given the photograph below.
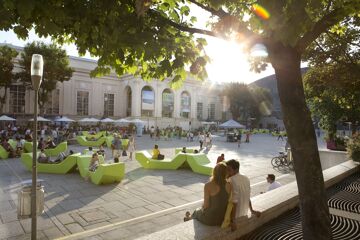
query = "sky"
x=228 y=62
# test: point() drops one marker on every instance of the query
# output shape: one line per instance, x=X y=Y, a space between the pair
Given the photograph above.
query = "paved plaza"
x=144 y=202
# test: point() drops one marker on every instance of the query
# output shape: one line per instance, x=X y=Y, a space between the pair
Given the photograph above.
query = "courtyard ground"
x=144 y=202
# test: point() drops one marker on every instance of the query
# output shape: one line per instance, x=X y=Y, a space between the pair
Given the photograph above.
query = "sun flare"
x=228 y=62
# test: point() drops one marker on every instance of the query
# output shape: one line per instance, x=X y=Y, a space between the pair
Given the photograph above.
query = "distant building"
x=275 y=119
x=119 y=97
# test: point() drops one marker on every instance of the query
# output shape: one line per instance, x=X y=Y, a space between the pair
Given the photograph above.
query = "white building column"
x=177 y=102
x=193 y=105
x=158 y=101
x=136 y=99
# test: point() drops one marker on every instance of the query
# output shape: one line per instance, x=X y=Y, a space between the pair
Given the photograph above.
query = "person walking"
x=247 y=140
x=116 y=146
x=201 y=140
x=131 y=146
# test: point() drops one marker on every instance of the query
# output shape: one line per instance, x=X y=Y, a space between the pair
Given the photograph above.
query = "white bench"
x=271 y=204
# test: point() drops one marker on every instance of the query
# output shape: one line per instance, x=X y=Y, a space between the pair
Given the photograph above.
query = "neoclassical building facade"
x=122 y=97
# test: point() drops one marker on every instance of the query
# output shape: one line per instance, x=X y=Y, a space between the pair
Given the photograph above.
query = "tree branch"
x=321 y=26
x=220 y=13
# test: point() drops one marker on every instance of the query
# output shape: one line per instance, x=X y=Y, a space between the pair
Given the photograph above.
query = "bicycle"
x=282 y=161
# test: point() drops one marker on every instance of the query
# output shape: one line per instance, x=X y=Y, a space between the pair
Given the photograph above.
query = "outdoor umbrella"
x=63 y=119
x=89 y=120
x=6 y=118
x=138 y=121
x=107 y=120
x=231 y=124
x=122 y=121
x=41 y=119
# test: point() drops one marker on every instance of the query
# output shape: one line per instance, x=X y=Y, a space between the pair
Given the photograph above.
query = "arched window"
x=167 y=103
x=185 y=105
x=147 y=101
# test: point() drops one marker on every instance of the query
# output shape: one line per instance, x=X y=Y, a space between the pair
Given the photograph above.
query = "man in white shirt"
x=240 y=187
x=273 y=184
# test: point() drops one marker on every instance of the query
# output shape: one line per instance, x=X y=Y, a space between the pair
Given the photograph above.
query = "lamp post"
x=36 y=77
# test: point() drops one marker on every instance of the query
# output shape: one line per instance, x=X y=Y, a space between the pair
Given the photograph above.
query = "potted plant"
x=353 y=148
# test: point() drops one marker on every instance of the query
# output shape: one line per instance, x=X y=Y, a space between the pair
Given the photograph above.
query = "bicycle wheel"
x=276 y=161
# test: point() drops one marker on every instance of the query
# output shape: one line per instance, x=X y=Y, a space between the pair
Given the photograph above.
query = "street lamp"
x=37 y=64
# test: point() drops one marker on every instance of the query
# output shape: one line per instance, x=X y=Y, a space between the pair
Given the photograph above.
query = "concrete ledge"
x=330 y=158
x=271 y=205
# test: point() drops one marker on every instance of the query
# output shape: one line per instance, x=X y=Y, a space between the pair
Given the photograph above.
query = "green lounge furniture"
x=96 y=136
x=53 y=152
x=86 y=151
x=83 y=142
x=83 y=163
x=28 y=147
x=199 y=163
x=104 y=174
x=124 y=142
x=12 y=143
x=65 y=166
x=145 y=160
x=188 y=150
x=3 y=153
x=50 y=152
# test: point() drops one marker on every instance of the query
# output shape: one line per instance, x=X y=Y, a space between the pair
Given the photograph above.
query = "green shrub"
x=353 y=147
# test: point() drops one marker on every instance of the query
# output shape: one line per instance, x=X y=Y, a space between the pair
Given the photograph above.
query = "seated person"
x=101 y=151
x=220 y=158
x=90 y=152
x=183 y=150
x=41 y=144
x=28 y=137
x=196 y=151
x=156 y=153
x=273 y=184
x=116 y=159
x=216 y=197
x=50 y=143
x=94 y=163
x=187 y=216
x=62 y=156
x=42 y=157
x=8 y=148
x=19 y=146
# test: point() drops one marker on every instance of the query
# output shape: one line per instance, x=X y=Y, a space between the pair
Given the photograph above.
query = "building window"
x=211 y=112
x=108 y=104
x=82 y=103
x=147 y=101
x=128 y=101
x=51 y=106
x=167 y=103
x=185 y=105
x=199 y=111
x=17 y=99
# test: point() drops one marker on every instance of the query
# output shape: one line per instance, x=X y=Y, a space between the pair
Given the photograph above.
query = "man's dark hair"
x=156 y=146
x=90 y=148
x=271 y=177
x=234 y=164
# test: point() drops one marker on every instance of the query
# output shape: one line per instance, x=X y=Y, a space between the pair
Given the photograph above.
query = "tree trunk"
x=300 y=130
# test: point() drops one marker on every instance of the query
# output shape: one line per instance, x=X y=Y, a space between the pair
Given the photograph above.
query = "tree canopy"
x=7 y=76
x=56 y=68
x=333 y=82
x=247 y=102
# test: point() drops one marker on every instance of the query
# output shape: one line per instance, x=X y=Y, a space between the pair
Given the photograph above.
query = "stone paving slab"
x=142 y=191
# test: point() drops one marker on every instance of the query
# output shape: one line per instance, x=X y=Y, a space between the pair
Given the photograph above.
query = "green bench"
x=200 y=163
x=96 y=136
x=65 y=166
x=50 y=152
x=83 y=142
x=145 y=160
x=104 y=174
